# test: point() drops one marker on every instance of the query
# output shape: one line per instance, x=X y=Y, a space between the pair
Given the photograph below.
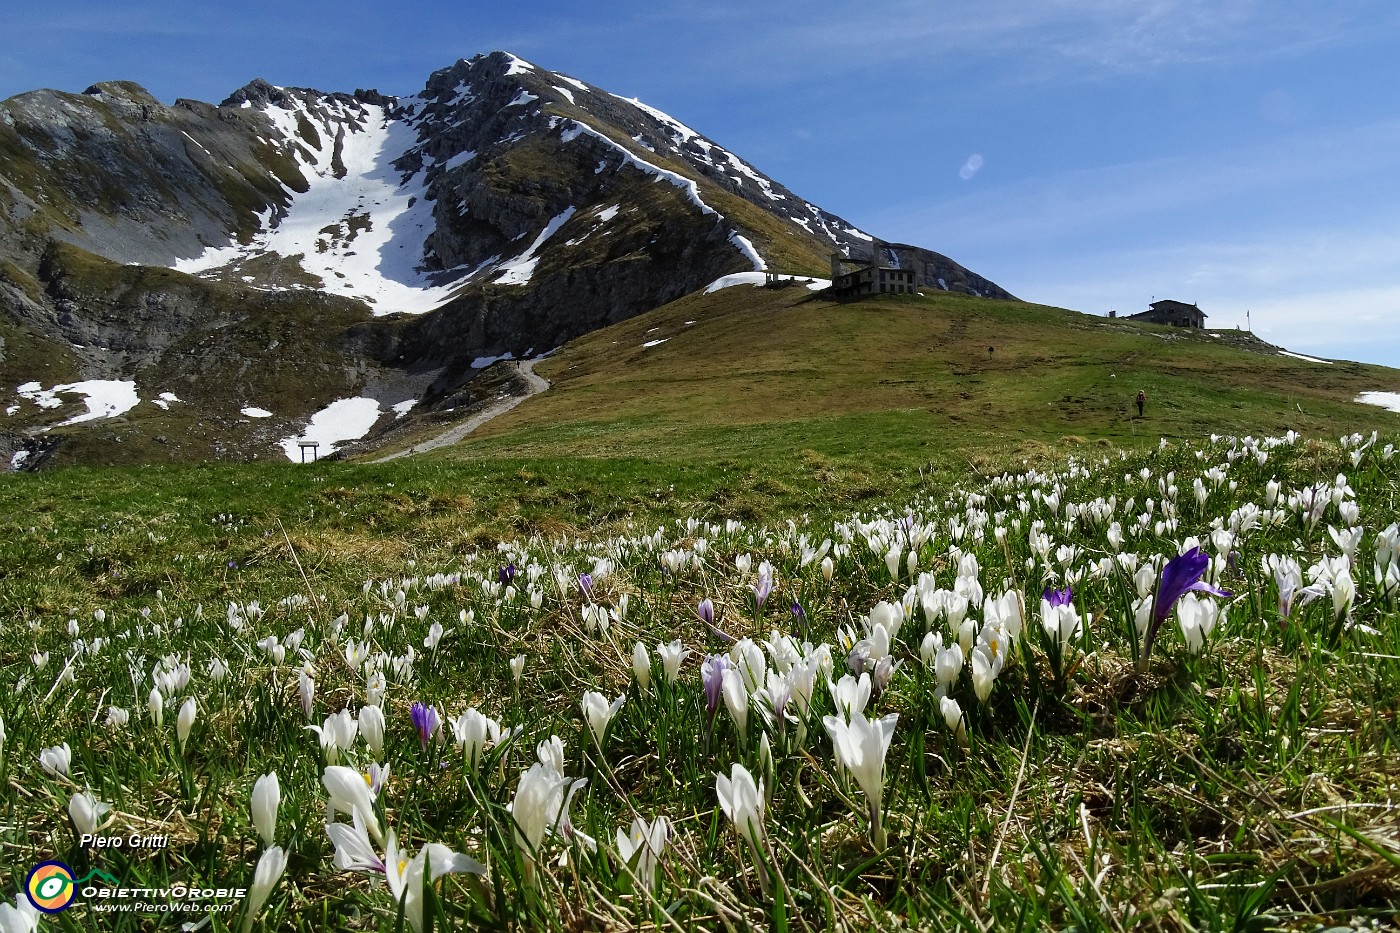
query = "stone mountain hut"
x=1174 y=313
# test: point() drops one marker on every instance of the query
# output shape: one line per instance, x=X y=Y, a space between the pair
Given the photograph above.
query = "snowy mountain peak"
x=503 y=208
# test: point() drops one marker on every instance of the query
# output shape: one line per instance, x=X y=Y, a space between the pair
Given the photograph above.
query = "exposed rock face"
x=504 y=209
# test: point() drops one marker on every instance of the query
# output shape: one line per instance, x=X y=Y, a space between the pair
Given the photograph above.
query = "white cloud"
x=971 y=167
x=1027 y=39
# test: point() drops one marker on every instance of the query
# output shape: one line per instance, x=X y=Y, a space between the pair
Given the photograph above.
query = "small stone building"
x=1174 y=313
x=885 y=273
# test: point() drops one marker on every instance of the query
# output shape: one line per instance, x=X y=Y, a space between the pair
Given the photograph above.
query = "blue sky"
x=1091 y=154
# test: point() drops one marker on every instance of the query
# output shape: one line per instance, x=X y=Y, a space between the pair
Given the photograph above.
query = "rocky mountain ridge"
x=289 y=247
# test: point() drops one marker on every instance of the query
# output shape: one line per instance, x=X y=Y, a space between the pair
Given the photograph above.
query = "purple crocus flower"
x=761 y=589
x=712 y=676
x=427 y=721
x=799 y=618
x=585 y=583
x=1180 y=575
x=507 y=573
x=1057 y=598
x=706 y=612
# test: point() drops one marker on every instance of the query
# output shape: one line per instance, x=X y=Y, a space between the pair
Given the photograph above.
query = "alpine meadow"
x=502 y=508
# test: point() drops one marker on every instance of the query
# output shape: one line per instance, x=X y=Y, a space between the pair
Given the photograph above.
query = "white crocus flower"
x=1007 y=613
x=306 y=687
x=947 y=666
x=645 y=843
x=337 y=734
x=56 y=760
x=929 y=648
x=471 y=730
x=268 y=872
x=376 y=685
x=184 y=722
x=349 y=793
x=984 y=673
x=741 y=798
x=1197 y=618
x=371 y=726
x=598 y=712
x=517 y=668
x=736 y=699
x=353 y=849
x=751 y=663
x=117 y=717
x=551 y=753
x=155 y=703
x=538 y=799
x=953 y=717
x=266 y=797
x=850 y=694
x=23 y=917
x=406 y=876
x=434 y=636
x=671 y=657
x=1061 y=623
x=641 y=666
x=86 y=812
x=861 y=746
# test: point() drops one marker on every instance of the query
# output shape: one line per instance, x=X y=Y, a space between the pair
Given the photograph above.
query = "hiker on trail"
x=1141 y=400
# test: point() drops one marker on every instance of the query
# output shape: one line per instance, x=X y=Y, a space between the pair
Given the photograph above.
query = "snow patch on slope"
x=691 y=189
x=744 y=246
x=1390 y=401
x=519 y=270
x=759 y=278
x=461 y=158
x=104 y=398
x=361 y=234
x=1299 y=356
x=348 y=419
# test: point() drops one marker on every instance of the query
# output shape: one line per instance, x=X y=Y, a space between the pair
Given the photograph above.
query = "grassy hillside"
x=782 y=373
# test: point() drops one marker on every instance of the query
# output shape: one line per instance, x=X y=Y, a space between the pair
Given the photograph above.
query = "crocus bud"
x=267 y=795
x=306 y=686
x=371 y=726
x=641 y=666
x=265 y=877
x=184 y=722
x=156 y=704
